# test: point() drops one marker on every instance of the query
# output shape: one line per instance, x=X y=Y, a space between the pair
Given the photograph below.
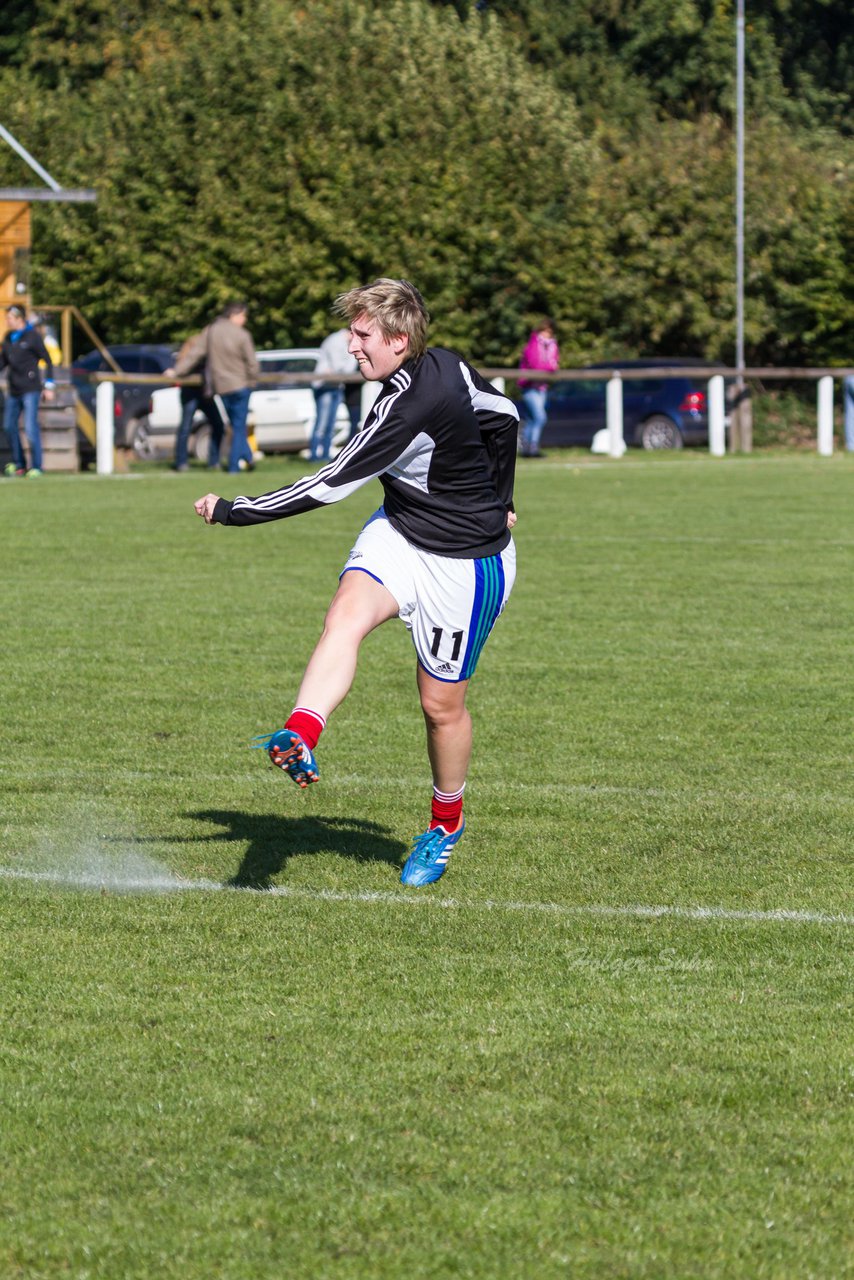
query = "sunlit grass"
x=512 y=1073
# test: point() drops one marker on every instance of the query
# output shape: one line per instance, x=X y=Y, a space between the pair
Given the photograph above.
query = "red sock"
x=308 y=724
x=447 y=809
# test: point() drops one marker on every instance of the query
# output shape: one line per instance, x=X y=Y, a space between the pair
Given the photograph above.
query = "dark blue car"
x=132 y=400
x=658 y=412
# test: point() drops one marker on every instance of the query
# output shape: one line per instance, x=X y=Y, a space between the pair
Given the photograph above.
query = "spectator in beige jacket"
x=232 y=371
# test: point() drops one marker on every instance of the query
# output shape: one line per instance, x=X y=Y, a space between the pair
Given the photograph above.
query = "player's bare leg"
x=449 y=740
x=359 y=606
x=449 y=730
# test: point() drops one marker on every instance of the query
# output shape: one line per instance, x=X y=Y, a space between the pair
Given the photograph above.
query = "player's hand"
x=205 y=507
x=511 y=519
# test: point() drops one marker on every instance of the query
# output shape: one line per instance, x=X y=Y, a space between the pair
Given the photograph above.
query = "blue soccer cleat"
x=287 y=751
x=430 y=854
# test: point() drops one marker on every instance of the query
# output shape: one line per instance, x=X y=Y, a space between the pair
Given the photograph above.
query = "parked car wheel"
x=201 y=444
x=281 y=416
x=658 y=412
x=660 y=432
x=141 y=442
x=132 y=400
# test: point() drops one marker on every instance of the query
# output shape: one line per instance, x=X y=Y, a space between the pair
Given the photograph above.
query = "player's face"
x=379 y=357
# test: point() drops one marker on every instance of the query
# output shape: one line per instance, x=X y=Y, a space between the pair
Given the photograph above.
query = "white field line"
x=168 y=884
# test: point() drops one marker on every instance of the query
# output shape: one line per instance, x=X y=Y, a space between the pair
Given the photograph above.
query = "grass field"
x=615 y=1039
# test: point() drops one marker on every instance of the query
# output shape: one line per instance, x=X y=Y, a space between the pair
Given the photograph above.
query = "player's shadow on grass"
x=271 y=839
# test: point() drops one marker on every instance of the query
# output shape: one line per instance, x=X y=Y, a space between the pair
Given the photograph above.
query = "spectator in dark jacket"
x=192 y=358
x=22 y=349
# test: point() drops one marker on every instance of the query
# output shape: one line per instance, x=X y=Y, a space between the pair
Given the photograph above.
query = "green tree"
x=283 y=152
x=799 y=295
x=623 y=58
x=400 y=149
x=667 y=281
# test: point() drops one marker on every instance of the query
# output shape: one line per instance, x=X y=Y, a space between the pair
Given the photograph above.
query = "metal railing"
x=714 y=375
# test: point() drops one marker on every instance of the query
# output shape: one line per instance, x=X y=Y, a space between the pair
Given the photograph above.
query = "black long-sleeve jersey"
x=442 y=442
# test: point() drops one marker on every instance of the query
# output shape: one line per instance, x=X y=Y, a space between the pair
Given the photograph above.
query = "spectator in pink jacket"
x=542 y=353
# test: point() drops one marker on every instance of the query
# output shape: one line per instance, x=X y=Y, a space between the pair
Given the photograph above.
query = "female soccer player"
x=438 y=553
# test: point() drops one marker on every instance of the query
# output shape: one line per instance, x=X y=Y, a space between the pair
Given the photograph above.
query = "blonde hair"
x=395 y=305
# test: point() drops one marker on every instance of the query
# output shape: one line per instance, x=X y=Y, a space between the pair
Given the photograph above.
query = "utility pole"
x=741 y=429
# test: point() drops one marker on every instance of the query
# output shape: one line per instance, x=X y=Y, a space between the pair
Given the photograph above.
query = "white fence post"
x=614 y=416
x=825 y=417
x=717 y=417
x=105 y=427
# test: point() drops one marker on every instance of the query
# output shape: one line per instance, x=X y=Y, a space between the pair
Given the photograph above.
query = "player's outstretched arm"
x=205 y=507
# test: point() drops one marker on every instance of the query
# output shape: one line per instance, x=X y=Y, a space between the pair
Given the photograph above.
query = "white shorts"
x=449 y=606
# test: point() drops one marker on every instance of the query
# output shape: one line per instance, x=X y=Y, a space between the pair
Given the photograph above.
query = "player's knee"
x=441 y=708
x=340 y=621
x=346 y=619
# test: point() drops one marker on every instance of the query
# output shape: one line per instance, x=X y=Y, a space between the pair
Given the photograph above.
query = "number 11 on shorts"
x=456 y=636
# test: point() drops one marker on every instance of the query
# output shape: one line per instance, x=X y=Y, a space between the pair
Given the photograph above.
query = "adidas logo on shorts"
x=445 y=670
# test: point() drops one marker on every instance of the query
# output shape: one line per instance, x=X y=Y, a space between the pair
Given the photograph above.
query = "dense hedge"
x=511 y=159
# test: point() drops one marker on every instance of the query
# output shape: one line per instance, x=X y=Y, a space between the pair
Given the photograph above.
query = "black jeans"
x=192 y=400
